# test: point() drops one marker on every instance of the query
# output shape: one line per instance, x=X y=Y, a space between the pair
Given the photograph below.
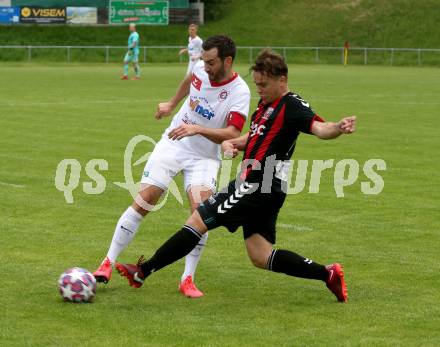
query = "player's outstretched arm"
x=330 y=130
x=164 y=109
x=220 y=135
x=215 y=135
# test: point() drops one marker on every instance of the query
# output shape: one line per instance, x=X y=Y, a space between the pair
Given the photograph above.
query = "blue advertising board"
x=9 y=15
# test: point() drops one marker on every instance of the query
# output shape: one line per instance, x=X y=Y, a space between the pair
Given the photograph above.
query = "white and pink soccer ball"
x=77 y=285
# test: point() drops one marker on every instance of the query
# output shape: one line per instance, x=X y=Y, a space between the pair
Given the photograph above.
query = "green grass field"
x=388 y=243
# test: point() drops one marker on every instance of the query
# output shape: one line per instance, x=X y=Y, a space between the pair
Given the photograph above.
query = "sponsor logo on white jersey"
x=196 y=82
x=195 y=106
x=223 y=95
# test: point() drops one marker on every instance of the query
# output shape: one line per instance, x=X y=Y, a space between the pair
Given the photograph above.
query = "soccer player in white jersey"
x=194 y=49
x=214 y=111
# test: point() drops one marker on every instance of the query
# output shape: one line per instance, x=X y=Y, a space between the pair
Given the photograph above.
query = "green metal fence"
x=245 y=54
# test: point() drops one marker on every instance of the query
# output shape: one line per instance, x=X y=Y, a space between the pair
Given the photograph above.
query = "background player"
x=194 y=49
x=214 y=111
x=132 y=54
x=254 y=200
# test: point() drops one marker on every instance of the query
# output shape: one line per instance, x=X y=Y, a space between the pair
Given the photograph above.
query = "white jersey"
x=208 y=105
x=194 y=48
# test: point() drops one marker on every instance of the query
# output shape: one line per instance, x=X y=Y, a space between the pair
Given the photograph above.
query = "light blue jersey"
x=132 y=55
x=134 y=39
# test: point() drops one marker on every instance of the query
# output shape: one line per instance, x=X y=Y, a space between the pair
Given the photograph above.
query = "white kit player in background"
x=215 y=110
x=194 y=49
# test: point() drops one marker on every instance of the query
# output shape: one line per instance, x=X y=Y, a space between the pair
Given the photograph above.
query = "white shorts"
x=167 y=160
x=191 y=66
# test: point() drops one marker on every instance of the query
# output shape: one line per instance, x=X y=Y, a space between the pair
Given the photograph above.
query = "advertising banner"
x=82 y=15
x=42 y=15
x=9 y=15
x=139 y=12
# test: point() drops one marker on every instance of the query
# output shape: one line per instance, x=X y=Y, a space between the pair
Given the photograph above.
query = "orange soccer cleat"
x=104 y=271
x=336 y=282
x=189 y=289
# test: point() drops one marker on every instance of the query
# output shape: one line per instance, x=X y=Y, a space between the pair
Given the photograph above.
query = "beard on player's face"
x=218 y=75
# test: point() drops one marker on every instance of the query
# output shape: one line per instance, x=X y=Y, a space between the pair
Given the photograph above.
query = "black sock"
x=176 y=247
x=293 y=264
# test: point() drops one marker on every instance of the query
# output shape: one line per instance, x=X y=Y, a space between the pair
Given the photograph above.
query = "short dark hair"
x=270 y=64
x=224 y=45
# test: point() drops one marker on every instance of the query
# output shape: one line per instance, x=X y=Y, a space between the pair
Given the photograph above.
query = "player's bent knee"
x=147 y=199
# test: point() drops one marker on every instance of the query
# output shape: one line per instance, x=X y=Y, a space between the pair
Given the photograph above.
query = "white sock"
x=125 y=231
x=192 y=259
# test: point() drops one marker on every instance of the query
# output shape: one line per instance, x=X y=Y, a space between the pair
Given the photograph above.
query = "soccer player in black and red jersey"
x=254 y=199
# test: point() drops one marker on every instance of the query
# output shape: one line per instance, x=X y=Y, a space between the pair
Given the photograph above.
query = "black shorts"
x=241 y=205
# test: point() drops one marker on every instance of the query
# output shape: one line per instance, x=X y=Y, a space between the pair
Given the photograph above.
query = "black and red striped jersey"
x=274 y=130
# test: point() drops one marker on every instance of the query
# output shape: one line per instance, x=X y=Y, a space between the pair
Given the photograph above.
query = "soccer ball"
x=77 y=285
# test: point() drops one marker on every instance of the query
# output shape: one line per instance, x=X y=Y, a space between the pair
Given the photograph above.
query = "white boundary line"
x=12 y=185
